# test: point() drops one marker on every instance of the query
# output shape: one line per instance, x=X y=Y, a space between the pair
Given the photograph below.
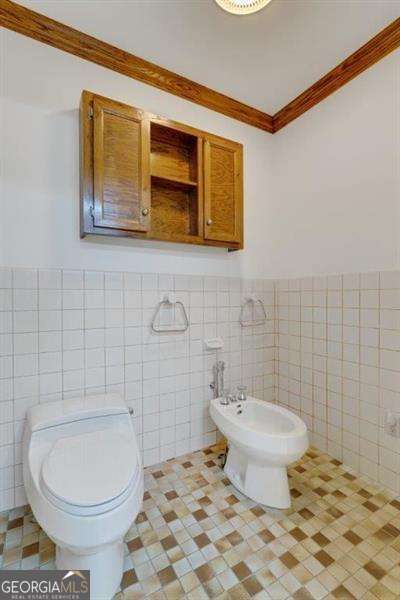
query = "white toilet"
x=84 y=481
x=263 y=439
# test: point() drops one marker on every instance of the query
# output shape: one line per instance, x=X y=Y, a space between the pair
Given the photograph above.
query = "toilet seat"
x=91 y=473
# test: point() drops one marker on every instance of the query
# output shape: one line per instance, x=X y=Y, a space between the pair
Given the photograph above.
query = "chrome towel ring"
x=253 y=305
x=173 y=327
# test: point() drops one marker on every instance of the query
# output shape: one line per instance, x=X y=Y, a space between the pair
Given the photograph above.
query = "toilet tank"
x=51 y=414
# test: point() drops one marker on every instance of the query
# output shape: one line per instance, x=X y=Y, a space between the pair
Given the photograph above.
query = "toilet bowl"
x=263 y=439
x=84 y=481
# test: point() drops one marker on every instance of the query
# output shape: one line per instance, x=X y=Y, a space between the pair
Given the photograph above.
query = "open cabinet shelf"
x=174 y=169
x=174 y=210
x=173 y=182
x=173 y=153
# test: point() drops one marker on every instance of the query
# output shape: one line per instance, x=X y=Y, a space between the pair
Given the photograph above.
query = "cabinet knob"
x=209 y=221
x=145 y=212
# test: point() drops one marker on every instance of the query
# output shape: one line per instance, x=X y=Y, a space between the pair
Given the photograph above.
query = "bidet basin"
x=263 y=439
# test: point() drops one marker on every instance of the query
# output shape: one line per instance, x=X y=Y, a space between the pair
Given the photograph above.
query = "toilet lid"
x=89 y=469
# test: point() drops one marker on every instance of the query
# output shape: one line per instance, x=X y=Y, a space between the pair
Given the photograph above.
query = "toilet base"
x=105 y=566
x=262 y=483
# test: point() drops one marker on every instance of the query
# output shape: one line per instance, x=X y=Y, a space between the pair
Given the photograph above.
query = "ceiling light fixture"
x=242 y=7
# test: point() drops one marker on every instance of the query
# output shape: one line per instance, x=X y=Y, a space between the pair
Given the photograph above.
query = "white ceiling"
x=265 y=59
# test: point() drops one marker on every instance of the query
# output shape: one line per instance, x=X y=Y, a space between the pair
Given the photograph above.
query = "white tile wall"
x=68 y=333
x=338 y=365
x=336 y=341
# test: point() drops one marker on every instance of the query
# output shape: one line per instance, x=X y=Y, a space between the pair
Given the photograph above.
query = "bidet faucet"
x=227 y=397
x=217 y=384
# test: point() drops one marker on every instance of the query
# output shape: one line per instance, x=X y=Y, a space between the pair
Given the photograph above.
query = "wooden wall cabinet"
x=147 y=177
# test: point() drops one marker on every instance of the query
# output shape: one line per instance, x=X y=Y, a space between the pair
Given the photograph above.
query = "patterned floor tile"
x=198 y=537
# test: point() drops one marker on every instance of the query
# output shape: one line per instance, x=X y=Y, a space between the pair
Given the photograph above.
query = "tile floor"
x=197 y=537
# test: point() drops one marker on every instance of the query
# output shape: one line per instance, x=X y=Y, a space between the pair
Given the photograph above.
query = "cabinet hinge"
x=90 y=112
x=91 y=212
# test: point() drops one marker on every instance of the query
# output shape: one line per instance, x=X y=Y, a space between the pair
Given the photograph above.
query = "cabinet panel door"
x=121 y=166
x=223 y=191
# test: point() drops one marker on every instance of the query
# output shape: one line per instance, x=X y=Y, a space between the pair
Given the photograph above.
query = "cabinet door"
x=223 y=195
x=121 y=155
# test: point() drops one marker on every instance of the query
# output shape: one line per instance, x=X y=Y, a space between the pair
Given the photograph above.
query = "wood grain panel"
x=222 y=213
x=174 y=212
x=377 y=48
x=169 y=160
x=56 y=34
x=120 y=148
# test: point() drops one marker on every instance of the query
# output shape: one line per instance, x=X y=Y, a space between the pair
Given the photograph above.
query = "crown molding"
x=373 y=51
x=48 y=31
x=39 y=27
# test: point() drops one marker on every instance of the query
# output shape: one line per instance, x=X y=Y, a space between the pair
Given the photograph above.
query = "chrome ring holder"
x=173 y=328
x=252 y=304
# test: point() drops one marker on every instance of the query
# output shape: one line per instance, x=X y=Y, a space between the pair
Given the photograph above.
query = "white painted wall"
x=42 y=88
x=321 y=196
x=336 y=198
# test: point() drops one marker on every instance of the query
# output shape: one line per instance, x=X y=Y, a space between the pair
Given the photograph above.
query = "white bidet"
x=263 y=439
